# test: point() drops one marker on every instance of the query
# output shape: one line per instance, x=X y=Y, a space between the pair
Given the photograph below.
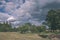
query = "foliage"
x=43 y=36
x=41 y=28
x=53 y=19
x=26 y=28
x=5 y=27
x=31 y=28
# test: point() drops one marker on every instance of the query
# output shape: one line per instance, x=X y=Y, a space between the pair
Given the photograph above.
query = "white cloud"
x=4 y=16
x=11 y=19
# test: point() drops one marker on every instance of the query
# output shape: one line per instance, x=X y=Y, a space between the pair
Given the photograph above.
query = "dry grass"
x=18 y=36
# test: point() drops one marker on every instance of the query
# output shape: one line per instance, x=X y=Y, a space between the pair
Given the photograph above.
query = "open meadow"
x=18 y=36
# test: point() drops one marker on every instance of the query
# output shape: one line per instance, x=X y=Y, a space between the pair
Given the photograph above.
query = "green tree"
x=28 y=28
x=5 y=27
x=53 y=19
x=33 y=29
x=58 y=19
x=41 y=28
x=25 y=28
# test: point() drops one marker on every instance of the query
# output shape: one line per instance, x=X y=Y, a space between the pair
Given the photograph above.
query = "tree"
x=41 y=28
x=53 y=19
x=5 y=27
x=58 y=19
x=33 y=29
x=28 y=28
x=25 y=28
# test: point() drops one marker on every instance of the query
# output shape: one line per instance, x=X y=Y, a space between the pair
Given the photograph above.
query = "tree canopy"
x=53 y=19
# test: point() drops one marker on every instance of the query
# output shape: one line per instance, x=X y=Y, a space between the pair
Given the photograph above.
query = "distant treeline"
x=26 y=28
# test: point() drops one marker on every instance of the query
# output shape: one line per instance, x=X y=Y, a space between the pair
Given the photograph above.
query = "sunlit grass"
x=18 y=36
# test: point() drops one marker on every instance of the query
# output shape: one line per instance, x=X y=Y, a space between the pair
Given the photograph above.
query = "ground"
x=19 y=36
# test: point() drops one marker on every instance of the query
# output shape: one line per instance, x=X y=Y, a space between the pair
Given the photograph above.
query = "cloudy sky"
x=22 y=11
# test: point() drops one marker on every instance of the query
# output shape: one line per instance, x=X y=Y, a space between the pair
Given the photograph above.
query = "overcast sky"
x=22 y=11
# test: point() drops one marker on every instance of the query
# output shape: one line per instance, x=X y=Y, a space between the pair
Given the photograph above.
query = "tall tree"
x=53 y=19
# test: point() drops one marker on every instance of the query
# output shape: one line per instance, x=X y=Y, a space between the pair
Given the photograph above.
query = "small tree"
x=41 y=28
x=25 y=28
x=33 y=29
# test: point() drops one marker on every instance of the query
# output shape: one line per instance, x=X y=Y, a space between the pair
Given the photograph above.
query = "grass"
x=18 y=36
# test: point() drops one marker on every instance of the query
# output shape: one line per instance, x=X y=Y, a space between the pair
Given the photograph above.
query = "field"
x=18 y=36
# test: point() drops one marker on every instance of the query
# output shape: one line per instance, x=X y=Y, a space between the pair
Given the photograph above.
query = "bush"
x=43 y=36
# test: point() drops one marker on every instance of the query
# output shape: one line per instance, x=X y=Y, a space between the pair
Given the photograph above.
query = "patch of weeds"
x=43 y=36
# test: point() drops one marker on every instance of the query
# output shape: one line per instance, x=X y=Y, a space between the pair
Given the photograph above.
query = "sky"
x=23 y=11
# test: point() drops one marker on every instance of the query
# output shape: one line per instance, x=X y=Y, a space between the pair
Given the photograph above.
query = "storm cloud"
x=28 y=10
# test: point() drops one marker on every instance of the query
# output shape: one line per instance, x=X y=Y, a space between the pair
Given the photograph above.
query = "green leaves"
x=5 y=27
x=28 y=28
x=53 y=19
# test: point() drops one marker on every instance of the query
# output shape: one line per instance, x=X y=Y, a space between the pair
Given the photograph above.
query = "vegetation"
x=53 y=20
x=28 y=28
x=18 y=36
x=5 y=27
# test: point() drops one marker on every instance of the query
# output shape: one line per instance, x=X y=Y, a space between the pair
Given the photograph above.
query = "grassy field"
x=18 y=36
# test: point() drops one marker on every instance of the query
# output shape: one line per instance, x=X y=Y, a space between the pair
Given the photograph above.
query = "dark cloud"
x=25 y=10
